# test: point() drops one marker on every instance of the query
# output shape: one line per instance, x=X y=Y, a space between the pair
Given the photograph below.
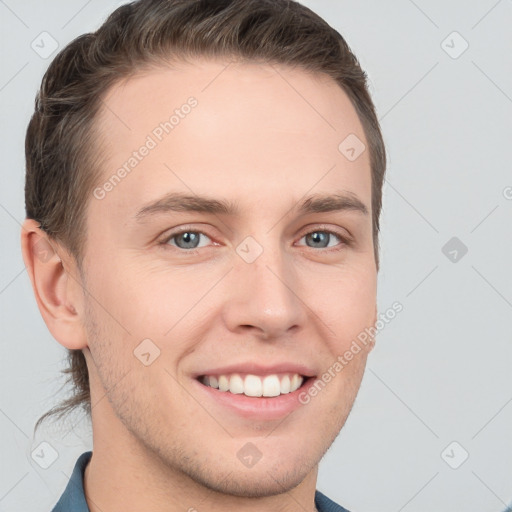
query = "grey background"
x=441 y=369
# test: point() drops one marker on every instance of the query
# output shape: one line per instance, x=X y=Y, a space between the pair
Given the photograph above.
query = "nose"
x=265 y=296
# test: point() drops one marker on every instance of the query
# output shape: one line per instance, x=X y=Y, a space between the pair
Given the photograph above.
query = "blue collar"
x=73 y=498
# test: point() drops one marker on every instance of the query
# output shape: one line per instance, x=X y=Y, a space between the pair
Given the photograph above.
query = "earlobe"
x=55 y=290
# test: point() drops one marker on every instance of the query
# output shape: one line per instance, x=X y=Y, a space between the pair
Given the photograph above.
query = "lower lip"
x=260 y=408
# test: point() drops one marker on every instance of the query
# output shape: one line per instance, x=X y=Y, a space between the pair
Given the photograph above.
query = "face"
x=206 y=265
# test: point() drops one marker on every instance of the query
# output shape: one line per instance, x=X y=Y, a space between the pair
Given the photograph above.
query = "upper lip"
x=259 y=369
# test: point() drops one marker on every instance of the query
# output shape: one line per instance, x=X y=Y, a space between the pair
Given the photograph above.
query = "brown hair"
x=62 y=168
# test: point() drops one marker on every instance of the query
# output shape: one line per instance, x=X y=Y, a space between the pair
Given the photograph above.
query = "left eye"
x=322 y=238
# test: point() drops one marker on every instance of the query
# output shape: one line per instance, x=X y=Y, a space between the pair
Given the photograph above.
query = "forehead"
x=214 y=126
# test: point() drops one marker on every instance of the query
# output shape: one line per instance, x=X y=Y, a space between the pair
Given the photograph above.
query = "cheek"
x=144 y=310
x=138 y=302
x=345 y=300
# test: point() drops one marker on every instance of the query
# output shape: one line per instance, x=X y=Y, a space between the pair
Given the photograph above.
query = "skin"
x=255 y=140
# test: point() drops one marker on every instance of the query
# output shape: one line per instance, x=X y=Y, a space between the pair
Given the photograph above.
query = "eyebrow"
x=179 y=202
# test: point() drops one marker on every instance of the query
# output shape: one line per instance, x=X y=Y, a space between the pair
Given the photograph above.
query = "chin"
x=252 y=482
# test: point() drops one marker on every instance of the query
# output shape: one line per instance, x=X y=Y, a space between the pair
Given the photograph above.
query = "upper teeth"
x=253 y=385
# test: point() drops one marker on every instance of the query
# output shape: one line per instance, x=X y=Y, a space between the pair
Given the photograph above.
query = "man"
x=203 y=194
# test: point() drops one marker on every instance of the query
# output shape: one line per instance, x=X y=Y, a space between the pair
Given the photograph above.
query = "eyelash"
x=345 y=241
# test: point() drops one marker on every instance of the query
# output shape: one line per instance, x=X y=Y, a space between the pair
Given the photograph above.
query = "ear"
x=56 y=283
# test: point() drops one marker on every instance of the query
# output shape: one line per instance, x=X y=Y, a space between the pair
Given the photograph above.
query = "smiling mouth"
x=253 y=385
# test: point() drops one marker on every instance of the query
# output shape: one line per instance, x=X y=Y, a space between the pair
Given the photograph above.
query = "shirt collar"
x=73 y=498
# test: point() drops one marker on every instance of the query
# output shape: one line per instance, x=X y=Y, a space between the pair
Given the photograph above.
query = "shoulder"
x=324 y=504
